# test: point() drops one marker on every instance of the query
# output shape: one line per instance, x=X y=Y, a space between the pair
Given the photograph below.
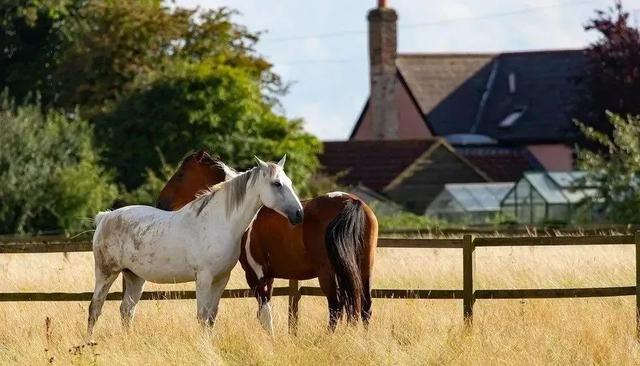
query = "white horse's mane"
x=236 y=186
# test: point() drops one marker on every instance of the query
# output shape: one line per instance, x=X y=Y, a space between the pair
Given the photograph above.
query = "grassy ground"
x=403 y=332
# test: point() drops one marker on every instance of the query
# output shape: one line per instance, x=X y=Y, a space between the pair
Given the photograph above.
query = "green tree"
x=34 y=36
x=152 y=77
x=612 y=75
x=615 y=166
x=51 y=179
x=202 y=105
x=88 y=52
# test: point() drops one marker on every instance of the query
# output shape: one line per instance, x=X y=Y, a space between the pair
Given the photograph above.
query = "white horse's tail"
x=99 y=217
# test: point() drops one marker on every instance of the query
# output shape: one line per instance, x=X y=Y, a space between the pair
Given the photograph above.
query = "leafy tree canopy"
x=49 y=169
x=85 y=52
x=613 y=75
x=150 y=77
x=197 y=105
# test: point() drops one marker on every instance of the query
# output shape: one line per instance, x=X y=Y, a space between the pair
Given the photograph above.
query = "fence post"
x=637 y=242
x=294 y=299
x=468 y=268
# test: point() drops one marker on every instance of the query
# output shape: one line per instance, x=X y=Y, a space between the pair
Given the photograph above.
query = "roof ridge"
x=426 y=139
x=485 y=54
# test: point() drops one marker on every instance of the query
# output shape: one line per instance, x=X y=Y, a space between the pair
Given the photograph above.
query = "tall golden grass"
x=403 y=332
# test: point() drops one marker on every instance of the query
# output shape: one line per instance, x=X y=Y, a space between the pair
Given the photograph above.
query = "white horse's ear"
x=261 y=163
x=229 y=172
x=282 y=161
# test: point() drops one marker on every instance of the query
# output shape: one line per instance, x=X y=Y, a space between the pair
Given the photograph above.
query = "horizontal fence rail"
x=518 y=230
x=468 y=244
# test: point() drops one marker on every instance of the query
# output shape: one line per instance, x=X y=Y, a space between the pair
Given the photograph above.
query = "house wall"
x=553 y=157
x=416 y=192
x=411 y=124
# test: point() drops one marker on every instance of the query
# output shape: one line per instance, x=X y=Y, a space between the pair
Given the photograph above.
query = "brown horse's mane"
x=203 y=155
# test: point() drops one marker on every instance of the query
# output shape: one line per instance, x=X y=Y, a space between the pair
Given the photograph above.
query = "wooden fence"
x=468 y=294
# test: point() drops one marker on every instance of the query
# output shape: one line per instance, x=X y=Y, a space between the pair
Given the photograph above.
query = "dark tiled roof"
x=371 y=163
x=449 y=88
x=501 y=164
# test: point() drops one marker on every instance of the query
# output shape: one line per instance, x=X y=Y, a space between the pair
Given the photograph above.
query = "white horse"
x=200 y=242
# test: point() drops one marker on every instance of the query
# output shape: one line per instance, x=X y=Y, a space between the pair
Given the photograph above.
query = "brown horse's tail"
x=343 y=240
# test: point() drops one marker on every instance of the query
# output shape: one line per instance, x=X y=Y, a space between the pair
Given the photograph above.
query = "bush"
x=615 y=168
x=51 y=178
x=403 y=220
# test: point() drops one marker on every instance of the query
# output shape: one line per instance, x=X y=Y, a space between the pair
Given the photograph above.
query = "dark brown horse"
x=336 y=243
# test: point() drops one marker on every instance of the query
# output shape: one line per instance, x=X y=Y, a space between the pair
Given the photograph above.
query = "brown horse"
x=336 y=243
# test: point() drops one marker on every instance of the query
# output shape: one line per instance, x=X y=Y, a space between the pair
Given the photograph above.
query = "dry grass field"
x=403 y=332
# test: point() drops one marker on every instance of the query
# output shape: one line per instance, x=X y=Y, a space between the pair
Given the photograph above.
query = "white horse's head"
x=277 y=193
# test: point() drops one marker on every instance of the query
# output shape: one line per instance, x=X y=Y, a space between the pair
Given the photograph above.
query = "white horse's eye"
x=277 y=184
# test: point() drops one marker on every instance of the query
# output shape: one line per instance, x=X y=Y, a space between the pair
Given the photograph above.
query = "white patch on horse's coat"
x=257 y=268
x=335 y=194
x=264 y=315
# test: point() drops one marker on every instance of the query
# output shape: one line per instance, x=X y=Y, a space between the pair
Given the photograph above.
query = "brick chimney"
x=382 y=70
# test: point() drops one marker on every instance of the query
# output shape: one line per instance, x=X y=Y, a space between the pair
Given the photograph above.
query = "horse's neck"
x=239 y=218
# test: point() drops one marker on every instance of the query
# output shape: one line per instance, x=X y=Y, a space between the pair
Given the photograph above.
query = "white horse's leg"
x=132 y=294
x=208 y=294
x=103 y=283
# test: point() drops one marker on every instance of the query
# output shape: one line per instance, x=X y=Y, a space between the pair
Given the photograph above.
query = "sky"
x=320 y=46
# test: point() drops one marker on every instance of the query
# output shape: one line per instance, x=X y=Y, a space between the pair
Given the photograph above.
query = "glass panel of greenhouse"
x=473 y=203
x=548 y=197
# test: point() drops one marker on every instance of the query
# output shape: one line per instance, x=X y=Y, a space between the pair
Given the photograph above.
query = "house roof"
x=372 y=163
x=501 y=164
x=450 y=88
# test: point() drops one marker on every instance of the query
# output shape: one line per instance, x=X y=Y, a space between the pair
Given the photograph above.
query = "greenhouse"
x=550 y=197
x=472 y=203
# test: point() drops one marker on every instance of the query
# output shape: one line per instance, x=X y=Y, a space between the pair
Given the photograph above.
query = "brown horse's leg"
x=366 y=301
x=263 y=294
x=366 y=263
x=330 y=289
x=262 y=290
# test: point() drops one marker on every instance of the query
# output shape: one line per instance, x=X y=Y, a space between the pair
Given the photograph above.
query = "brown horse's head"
x=197 y=172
